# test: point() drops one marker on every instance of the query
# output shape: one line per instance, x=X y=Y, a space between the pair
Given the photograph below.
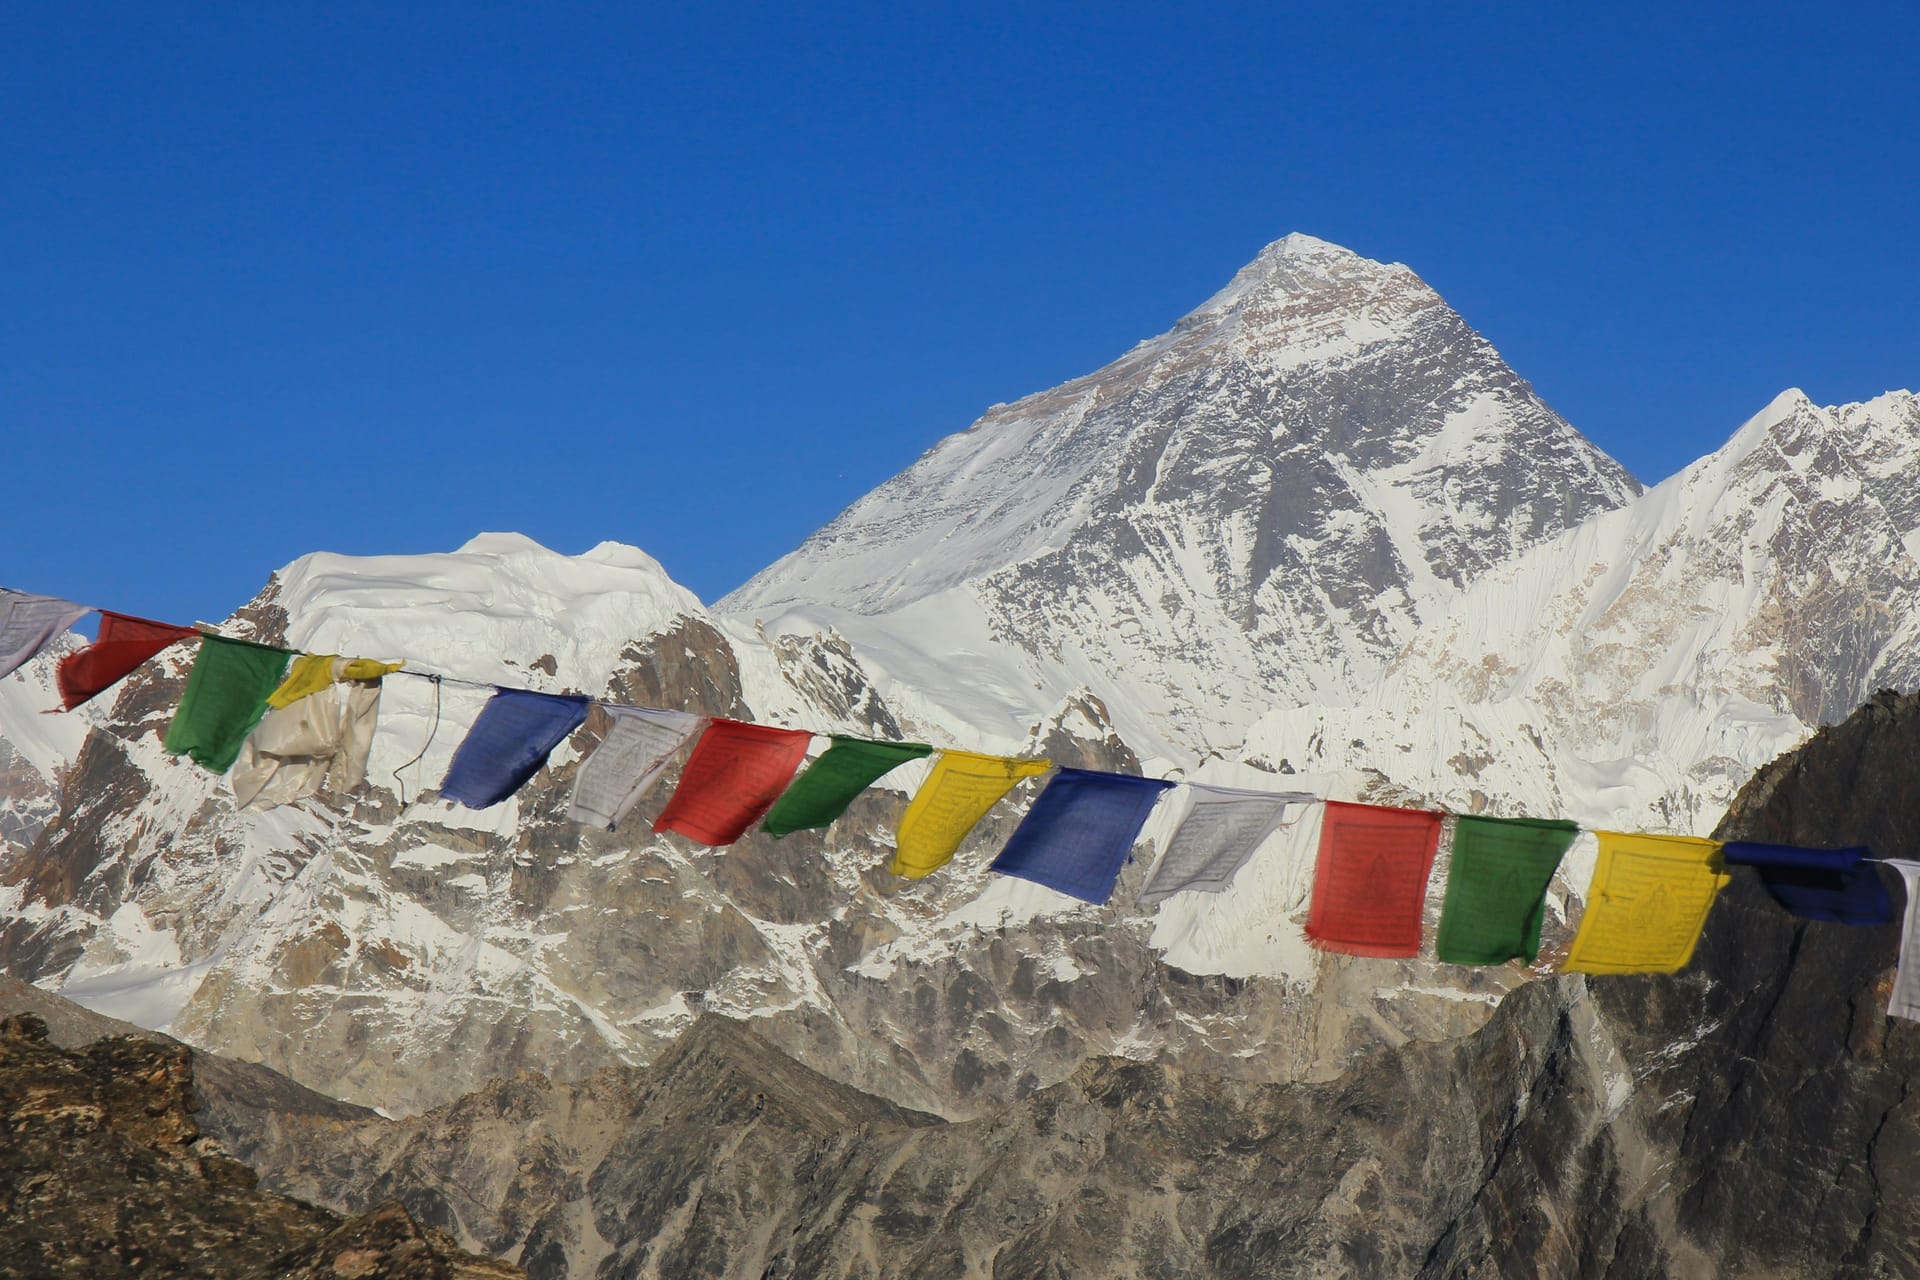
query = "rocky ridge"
x=1751 y=1115
x=1754 y=1114
x=105 y=1172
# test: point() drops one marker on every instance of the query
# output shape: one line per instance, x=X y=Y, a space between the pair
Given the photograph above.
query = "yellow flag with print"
x=312 y=672
x=1647 y=903
x=955 y=796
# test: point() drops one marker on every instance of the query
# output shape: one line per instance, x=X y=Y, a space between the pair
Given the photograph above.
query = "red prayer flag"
x=1370 y=882
x=736 y=772
x=124 y=643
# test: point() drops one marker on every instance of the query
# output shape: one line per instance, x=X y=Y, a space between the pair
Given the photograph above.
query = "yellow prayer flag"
x=1647 y=903
x=955 y=796
x=309 y=674
x=367 y=669
x=312 y=672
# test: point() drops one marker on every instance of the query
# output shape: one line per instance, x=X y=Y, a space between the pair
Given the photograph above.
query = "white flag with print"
x=624 y=767
x=1222 y=829
x=28 y=623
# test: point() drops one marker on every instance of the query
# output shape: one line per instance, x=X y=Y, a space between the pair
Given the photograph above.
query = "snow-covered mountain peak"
x=1633 y=671
x=504 y=543
x=486 y=611
x=1250 y=508
x=1301 y=273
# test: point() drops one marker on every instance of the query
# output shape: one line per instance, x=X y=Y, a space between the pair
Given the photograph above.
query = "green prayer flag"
x=830 y=783
x=225 y=698
x=1497 y=888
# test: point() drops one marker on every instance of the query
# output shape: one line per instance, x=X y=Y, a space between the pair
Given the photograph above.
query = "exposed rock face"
x=399 y=951
x=1752 y=1115
x=104 y=1172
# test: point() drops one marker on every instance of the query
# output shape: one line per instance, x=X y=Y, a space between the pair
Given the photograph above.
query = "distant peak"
x=1298 y=244
x=1786 y=404
x=622 y=555
x=1300 y=276
x=1790 y=406
x=500 y=544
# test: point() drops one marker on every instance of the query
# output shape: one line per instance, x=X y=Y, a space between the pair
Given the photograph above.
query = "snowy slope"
x=1256 y=507
x=35 y=749
x=1634 y=671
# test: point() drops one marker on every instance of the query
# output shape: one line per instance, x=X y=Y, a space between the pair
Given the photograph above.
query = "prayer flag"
x=124 y=643
x=1222 y=829
x=1647 y=903
x=516 y=732
x=824 y=791
x=1905 y=1000
x=1817 y=884
x=619 y=772
x=1079 y=832
x=317 y=741
x=28 y=623
x=225 y=697
x=312 y=672
x=736 y=772
x=1370 y=880
x=955 y=796
x=1497 y=888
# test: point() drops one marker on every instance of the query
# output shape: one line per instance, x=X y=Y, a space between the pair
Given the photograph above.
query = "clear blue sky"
x=280 y=278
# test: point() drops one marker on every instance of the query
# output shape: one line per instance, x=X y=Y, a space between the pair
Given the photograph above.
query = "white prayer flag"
x=319 y=740
x=1905 y=1000
x=28 y=623
x=1222 y=829
x=624 y=767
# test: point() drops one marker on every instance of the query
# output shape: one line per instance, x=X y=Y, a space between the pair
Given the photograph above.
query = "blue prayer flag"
x=508 y=744
x=1817 y=884
x=1079 y=832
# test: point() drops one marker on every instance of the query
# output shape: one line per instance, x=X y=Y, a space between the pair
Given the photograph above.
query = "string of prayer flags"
x=1370 y=881
x=225 y=697
x=1647 y=903
x=1079 y=832
x=1840 y=885
x=959 y=791
x=515 y=733
x=123 y=643
x=633 y=756
x=1905 y=1000
x=848 y=767
x=28 y=624
x=318 y=740
x=1497 y=888
x=736 y=772
x=312 y=672
x=1222 y=829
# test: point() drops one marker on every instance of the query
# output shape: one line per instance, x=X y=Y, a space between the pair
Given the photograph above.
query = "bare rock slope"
x=104 y=1172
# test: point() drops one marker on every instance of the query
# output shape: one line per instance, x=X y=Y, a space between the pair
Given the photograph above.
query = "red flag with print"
x=124 y=643
x=1370 y=882
x=736 y=772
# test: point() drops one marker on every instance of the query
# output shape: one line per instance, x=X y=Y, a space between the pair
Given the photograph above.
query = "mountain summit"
x=1258 y=505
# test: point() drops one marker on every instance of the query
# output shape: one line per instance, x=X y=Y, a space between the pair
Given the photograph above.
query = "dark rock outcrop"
x=104 y=1172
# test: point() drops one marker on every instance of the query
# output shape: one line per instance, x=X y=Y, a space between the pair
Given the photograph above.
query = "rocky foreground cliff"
x=105 y=1172
x=1753 y=1115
